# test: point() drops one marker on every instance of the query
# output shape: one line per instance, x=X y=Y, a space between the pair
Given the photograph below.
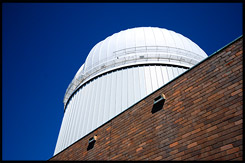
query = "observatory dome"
x=120 y=71
x=142 y=45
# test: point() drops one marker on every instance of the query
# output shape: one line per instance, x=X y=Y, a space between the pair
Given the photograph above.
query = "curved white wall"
x=108 y=95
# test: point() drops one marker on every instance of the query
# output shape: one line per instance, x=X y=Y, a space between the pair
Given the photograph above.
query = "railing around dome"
x=130 y=55
x=154 y=49
x=135 y=50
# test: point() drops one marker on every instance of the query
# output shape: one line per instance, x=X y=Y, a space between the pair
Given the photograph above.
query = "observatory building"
x=118 y=72
x=149 y=93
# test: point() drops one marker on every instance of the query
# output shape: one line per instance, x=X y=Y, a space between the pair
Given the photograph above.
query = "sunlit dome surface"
x=142 y=45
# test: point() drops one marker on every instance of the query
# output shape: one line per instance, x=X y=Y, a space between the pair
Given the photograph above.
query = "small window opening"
x=91 y=142
x=158 y=103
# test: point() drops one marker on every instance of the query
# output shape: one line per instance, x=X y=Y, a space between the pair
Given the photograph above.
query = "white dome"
x=142 y=45
x=120 y=71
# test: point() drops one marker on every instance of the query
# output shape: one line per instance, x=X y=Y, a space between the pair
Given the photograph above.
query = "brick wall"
x=202 y=118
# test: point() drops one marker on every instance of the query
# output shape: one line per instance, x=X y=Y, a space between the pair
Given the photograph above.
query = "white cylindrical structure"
x=118 y=72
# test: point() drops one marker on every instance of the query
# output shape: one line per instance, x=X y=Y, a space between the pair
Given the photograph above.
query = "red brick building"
x=201 y=119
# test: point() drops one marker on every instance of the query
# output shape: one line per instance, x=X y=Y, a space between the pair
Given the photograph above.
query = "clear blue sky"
x=44 y=45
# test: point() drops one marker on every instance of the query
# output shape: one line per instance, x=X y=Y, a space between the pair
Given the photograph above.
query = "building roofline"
x=227 y=45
